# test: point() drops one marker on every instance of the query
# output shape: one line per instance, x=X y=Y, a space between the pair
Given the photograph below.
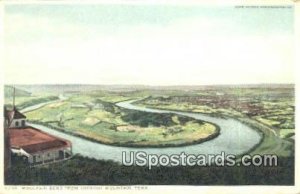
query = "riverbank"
x=269 y=141
x=233 y=137
x=198 y=141
x=260 y=130
x=34 y=102
x=108 y=124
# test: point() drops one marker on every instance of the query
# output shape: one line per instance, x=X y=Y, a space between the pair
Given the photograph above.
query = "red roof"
x=33 y=140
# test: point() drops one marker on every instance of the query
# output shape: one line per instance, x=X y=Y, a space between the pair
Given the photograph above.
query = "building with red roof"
x=36 y=146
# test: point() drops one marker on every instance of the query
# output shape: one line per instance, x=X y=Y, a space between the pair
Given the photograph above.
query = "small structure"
x=16 y=118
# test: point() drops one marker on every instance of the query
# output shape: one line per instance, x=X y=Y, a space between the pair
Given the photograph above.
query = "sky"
x=153 y=44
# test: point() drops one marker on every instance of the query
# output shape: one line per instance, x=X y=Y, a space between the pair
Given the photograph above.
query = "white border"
x=161 y=189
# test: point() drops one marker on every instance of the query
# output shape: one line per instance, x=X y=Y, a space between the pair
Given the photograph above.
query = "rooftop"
x=13 y=114
x=33 y=140
x=18 y=115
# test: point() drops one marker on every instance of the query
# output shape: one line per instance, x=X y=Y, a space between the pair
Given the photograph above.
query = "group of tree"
x=86 y=171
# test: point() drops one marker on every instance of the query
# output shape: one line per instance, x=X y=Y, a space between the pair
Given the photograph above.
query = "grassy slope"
x=92 y=117
x=24 y=99
x=8 y=92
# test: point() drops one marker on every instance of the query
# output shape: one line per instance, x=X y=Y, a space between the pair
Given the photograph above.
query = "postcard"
x=149 y=97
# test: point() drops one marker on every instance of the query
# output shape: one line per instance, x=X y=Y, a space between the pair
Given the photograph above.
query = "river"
x=235 y=138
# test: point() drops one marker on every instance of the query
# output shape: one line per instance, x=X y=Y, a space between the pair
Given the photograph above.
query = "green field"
x=25 y=99
x=93 y=114
x=270 y=110
x=97 y=117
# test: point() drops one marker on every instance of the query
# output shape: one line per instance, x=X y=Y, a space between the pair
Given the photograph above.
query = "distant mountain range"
x=25 y=90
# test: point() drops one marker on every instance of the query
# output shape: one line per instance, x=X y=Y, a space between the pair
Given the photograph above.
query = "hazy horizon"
x=11 y=84
x=156 y=45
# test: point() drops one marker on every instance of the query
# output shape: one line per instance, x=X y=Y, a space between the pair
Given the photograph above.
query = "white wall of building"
x=18 y=123
x=46 y=156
